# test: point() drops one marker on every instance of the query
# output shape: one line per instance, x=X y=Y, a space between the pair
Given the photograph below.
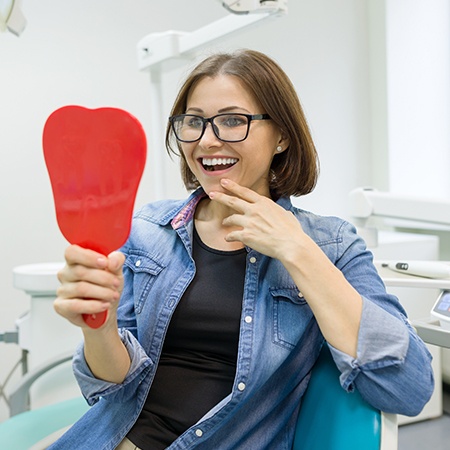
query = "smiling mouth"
x=213 y=164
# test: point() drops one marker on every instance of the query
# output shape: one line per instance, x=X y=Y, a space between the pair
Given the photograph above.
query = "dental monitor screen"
x=442 y=306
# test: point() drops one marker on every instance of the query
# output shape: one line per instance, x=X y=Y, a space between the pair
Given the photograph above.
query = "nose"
x=209 y=136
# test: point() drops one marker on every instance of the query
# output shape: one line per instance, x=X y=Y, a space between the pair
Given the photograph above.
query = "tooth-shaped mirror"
x=95 y=159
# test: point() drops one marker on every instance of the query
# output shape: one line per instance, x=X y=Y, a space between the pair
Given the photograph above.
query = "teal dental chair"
x=330 y=418
x=36 y=429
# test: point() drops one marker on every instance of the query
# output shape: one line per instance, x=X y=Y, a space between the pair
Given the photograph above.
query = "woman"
x=226 y=298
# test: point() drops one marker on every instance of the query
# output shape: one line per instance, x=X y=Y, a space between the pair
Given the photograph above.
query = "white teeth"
x=218 y=161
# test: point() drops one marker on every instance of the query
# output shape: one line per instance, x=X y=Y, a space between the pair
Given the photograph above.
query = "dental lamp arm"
x=156 y=48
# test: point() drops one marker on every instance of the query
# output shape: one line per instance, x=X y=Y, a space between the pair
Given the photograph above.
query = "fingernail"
x=212 y=194
x=101 y=262
x=224 y=181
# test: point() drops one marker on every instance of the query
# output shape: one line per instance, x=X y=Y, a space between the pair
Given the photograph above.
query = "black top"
x=198 y=361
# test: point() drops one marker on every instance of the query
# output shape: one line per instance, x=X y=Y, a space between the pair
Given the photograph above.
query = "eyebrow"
x=222 y=110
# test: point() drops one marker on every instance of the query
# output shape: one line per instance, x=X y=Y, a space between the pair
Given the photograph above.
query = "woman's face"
x=246 y=162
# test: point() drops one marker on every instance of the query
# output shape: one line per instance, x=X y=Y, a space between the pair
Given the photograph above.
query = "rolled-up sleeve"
x=93 y=388
x=390 y=357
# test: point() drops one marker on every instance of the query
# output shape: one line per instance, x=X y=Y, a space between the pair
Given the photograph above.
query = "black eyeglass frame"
x=205 y=121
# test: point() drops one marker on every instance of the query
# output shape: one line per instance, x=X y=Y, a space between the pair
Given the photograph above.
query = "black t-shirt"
x=198 y=360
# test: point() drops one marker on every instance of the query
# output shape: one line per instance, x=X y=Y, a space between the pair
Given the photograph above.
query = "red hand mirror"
x=95 y=159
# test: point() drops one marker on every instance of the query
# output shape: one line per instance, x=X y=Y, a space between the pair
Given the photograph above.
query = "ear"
x=283 y=142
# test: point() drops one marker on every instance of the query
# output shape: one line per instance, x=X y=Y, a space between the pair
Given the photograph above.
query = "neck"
x=209 y=216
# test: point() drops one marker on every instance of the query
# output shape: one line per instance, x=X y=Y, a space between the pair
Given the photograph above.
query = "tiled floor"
x=427 y=435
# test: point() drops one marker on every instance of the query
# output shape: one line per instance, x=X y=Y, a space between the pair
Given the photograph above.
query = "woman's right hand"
x=90 y=283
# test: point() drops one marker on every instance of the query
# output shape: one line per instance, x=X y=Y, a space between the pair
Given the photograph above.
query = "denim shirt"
x=278 y=345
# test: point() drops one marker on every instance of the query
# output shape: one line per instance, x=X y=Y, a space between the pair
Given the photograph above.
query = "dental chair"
x=330 y=418
x=37 y=428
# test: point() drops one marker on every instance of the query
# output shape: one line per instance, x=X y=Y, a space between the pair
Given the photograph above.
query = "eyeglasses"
x=226 y=127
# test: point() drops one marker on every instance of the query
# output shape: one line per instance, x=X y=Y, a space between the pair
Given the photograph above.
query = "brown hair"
x=294 y=171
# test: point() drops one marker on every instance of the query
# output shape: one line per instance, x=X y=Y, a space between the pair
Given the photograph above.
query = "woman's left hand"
x=262 y=224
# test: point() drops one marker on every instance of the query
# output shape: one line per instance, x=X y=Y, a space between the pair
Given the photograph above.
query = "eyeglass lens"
x=227 y=127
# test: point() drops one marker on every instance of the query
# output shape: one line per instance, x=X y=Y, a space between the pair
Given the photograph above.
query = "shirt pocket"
x=145 y=271
x=291 y=315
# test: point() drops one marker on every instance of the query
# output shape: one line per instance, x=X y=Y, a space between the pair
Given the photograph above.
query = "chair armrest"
x=389 y=431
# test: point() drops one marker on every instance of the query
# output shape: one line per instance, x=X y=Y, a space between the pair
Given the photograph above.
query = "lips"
x=216 y=164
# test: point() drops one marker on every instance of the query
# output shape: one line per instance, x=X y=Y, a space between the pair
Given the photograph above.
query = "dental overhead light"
x=251 y=6
x=11 y=16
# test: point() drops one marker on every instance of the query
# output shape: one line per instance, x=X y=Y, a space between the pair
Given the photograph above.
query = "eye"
x=194 y=122
x=232 y=120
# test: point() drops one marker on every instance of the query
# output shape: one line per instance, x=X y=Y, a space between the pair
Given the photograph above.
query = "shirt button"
x=241 y=386
x=198 y=432
x=248 y=319
x=253 y=260
x=138 y=263
x=300 y=295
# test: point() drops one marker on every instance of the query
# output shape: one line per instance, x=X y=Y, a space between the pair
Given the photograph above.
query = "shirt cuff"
x=383 y=341
x=94 y=388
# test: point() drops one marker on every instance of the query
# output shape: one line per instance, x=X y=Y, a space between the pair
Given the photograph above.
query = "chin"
x=210 y=186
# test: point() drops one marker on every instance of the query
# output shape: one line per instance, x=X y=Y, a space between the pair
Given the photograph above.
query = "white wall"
x=418 y=69
x=84 y=53
x=410 y=89
x=409 y=67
